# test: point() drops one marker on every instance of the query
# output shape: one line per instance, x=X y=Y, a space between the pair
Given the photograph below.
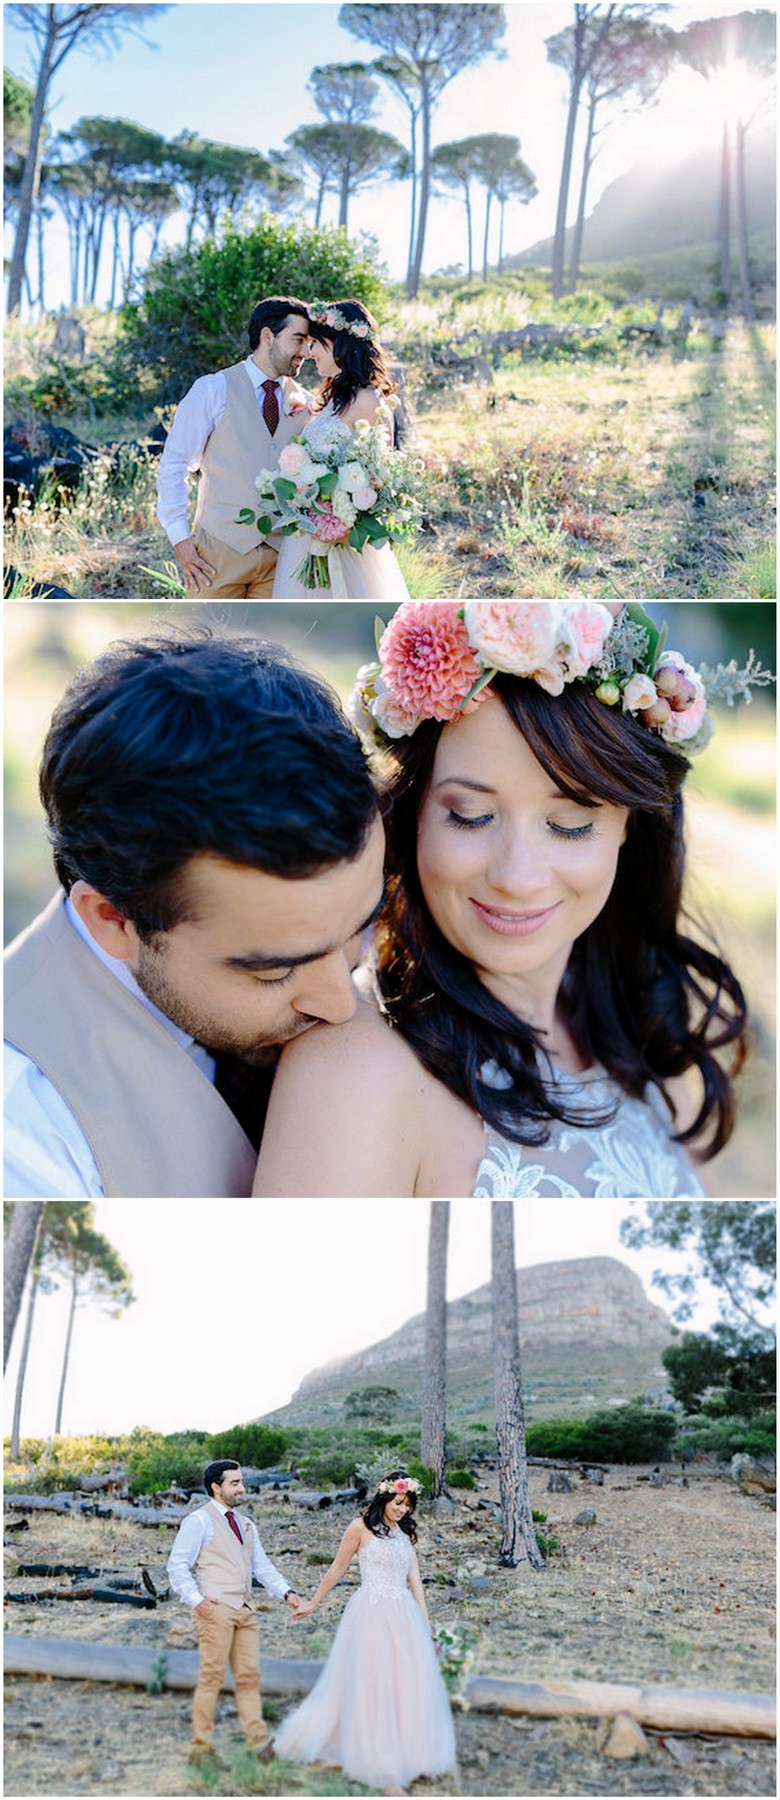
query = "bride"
x=356 y=385
x=544 y=1020
x=379 y=1710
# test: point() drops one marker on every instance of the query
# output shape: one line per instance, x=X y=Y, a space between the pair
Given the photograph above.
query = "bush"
x=625 y=1434
x=725 y=1437
x=259 y=1446
x=460 y=1478
x=196 y=303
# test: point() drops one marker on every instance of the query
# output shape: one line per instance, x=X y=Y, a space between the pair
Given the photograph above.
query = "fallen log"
x=94 y=1509
x=663 y=1709
x=117 y=1596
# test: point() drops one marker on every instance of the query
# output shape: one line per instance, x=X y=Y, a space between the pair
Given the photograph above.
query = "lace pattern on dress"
x=385 y=1565
x=632 y=1158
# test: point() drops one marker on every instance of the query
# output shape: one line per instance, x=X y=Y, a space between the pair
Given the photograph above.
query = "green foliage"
x=732 y=1244
x=625 y=1434
x=419 y=1471
x=741 y=1370
x=377 y=1403
x=259 y=1446
x=460 y=1478
x=725 y=1437
x=195 y=306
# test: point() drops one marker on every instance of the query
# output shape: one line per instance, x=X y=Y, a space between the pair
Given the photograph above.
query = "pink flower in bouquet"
x=326 y=526
x=292 y=459
x=427 y=660
x=364 y=497
x=518 y=638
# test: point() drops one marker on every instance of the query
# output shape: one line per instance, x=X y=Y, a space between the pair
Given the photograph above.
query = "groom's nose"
x=328 y=993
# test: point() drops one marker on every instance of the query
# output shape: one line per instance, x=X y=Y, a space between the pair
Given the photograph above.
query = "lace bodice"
x=633 y=1158
x=322 y=425
x=384 y=1566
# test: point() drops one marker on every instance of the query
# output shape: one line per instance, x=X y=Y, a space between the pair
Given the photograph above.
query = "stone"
x=586 y=1517
x=626 y=1738
x=559 y=1483
x=755 y=1475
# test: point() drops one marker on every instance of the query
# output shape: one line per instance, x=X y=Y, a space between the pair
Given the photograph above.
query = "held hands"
x=299 y=1608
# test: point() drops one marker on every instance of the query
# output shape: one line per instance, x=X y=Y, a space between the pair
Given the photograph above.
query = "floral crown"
x=331 y=315
x=403 y=1484
x=435 y=658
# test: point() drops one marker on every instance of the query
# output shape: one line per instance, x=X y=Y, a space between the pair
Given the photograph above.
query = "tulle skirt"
x=380 y=1709
x=369 y=574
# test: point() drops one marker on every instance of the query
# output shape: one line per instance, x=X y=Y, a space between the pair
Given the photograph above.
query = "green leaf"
x=379 y=630
x=284 y=490
x=637 y=612
x=245 y=517
x=264 y=524
x=328 y=484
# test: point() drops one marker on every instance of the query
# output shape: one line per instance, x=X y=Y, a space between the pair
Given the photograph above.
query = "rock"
x=755 y=1475
x=586 y=1517
x=626 y=1738
x=594 y=1477
x=559 y=1483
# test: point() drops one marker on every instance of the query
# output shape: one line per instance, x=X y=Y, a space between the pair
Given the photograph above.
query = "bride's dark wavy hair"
x=373 y=1513
x=362 y=361
x=639 y=995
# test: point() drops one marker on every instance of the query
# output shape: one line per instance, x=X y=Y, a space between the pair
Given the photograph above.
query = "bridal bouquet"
x=455 y=1651
x=340 y=486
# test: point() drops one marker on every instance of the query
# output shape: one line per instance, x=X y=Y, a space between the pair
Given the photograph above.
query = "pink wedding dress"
x=379 y=1710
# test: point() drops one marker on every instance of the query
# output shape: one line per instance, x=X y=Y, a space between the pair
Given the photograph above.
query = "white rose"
x=638 y=693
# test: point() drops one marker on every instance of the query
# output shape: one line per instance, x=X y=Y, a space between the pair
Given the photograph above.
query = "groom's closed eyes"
x=258 y=962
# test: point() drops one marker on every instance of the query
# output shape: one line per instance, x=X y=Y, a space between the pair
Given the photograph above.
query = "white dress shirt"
x=197 y=415
x=46 y=1155
x=198 y=1529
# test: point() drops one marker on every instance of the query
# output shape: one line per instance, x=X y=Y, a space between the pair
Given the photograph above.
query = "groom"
x=217 y=838
x=229 y=426
x=216 y=1553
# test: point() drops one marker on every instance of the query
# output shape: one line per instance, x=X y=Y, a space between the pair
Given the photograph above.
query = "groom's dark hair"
x=196 y=743
x=215 y=1471
x=274 y=313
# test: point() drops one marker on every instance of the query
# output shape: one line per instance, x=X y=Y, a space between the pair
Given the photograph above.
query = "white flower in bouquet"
x=365 y=497
x=352 y=475
x=344 y=506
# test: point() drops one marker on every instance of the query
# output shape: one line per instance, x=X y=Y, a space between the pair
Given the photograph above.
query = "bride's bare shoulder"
x=366 y=1044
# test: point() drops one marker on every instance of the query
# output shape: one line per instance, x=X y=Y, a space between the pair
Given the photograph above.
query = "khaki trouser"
x=228 y=1634
x=241 y=575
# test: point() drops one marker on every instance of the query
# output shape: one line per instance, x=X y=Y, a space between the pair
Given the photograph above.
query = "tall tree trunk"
x=39 y=221
x=18 y=1252
x=468 y=228
x=518 y=1538
x=435 y=1364
x=587 y=164
x=96 y=253
x=559 y=238
x=20 y=1379
x=487 y=229
x=320 y=198
x=724 y=215
x=75 y=261
x=66 y=1354
x=501 y=211
x=346 y=177
x=424 y=191
x=31 y=174
x=748 y=308
x=413 y=216
x=114 y=264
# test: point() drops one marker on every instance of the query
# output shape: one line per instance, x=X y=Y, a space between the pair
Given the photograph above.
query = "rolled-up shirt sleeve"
x=187 y=1546
x=196 y=416
x=264 y=1571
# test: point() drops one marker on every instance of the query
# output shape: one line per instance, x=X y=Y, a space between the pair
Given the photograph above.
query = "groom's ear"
x=110 y=929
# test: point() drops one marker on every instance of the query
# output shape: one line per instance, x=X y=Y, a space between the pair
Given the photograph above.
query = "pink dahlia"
x=427 y=660
x=518 y=637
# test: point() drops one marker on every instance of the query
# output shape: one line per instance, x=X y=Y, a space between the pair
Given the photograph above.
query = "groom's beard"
x=214 y=1034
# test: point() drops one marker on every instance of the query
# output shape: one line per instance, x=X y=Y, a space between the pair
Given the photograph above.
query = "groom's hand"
x=204 y=1607
x=196 y=571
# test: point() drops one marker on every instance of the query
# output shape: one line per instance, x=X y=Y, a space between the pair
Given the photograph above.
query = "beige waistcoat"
x=154 y=1122
x=239 y=447
x=223 y=1569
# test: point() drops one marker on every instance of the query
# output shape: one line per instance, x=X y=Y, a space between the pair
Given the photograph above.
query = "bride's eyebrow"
x=463 y=781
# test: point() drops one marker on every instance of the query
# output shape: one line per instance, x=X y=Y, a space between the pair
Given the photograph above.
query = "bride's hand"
x=301 y=1609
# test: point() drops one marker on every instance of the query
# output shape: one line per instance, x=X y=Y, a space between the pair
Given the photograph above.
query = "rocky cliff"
x=589 y=1335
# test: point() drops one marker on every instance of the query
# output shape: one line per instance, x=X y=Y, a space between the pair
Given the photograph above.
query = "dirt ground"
x=668 y=1586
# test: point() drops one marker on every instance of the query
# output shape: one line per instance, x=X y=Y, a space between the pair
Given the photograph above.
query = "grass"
x=613 y=472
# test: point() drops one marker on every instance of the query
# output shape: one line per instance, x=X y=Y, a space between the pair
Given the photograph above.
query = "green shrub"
x=460 y=1478
x=259 y=1446
x=195 y=305
x=626 y=1434
x=725 y=1437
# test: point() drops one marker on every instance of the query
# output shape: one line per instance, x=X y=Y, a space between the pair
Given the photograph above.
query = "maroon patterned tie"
x=231 y=1519
x=270 y=405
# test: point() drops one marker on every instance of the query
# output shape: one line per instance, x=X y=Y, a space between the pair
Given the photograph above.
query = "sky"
x=235 y=1305
x=237 y=73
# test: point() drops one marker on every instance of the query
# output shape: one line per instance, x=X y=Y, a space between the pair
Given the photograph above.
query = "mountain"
x=589 y=1336
x=657 y=207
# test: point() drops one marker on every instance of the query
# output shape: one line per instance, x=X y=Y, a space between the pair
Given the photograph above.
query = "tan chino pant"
x=241 y=575
x=228 y=1634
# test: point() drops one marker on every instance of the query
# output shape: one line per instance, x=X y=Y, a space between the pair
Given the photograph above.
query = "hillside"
x=589 y=1337
x=659 y=208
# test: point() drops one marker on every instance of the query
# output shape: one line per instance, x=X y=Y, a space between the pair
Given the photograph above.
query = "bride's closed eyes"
x=462 y=823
